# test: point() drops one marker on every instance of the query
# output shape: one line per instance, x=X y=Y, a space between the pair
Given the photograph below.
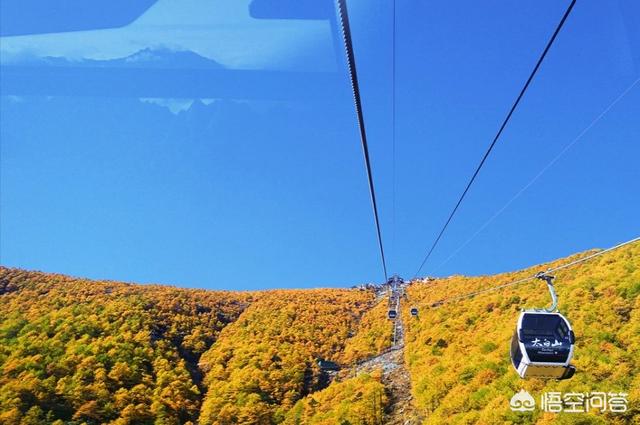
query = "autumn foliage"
x=357 y=401
x=75 y=351
x=267 y=360
x=78 y=351
x=373 y=335
x=458 y=353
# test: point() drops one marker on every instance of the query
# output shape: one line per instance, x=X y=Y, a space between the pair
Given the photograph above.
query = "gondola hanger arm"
x=552 y=290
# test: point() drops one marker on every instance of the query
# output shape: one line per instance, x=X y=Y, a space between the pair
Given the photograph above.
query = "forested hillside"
x=458 y=353
x=80 y=351
x=358 y=400
x=75 y=351
x=373 y=335
x=267 y=360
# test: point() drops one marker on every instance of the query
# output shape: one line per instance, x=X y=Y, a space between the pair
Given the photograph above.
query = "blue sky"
x=177 y=181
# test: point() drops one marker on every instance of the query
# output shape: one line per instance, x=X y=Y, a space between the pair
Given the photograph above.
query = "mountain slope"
x=267 y=360
x=458 y=353
x=373 y=335
x=75 y=351
x=358 y=400
x=93 y=352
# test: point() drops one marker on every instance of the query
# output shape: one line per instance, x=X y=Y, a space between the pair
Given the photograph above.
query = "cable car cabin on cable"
x=414 y=311
x=542 y=346
x=392 y=314
x=543 y=341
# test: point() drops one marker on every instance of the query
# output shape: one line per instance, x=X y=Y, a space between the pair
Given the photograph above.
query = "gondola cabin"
x=392 y=314
x=414 y=311
x=542 y=345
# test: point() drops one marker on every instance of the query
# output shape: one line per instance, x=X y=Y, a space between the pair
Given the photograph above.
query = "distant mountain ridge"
x=160 y=57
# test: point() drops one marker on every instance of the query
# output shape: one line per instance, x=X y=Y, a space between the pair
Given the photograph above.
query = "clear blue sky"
x=250 y=182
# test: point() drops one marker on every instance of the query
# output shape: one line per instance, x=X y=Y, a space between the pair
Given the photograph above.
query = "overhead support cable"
x=536 y=276
x=541 y=172
x=394 y=255
x=498 y=134
x=353 y=76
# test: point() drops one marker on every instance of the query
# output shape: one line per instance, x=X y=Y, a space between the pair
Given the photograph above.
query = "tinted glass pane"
x=545 y=337
x=516 y=354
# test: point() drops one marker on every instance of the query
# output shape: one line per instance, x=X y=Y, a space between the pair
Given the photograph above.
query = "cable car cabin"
x=542 y=345
x=392 y=314
x=414 y=311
